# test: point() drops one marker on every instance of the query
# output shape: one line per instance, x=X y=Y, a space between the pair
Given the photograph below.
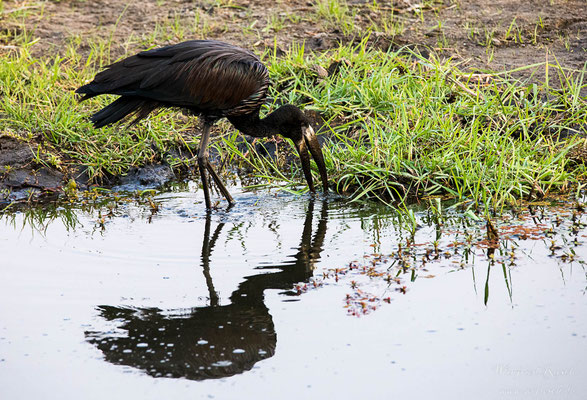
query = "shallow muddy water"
x=288 y=297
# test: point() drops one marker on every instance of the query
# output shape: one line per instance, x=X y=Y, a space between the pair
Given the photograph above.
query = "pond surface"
x=288 y=297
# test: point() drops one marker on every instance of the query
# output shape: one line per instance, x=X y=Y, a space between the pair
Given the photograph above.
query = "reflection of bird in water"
x=214 y=341
x=211 y=79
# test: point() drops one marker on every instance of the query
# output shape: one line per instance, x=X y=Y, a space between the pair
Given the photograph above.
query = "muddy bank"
x=26 y=177
x=25 y=174
x=21 y=176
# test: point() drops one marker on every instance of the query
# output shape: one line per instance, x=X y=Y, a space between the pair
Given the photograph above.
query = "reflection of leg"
x=207 y=247
x=311 y=247
x=307 y=232
x=318 y=241
x=219 y=183
x=203 y=162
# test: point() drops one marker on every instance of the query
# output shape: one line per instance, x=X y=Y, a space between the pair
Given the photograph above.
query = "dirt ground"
x=492 y=35
x=487 y=34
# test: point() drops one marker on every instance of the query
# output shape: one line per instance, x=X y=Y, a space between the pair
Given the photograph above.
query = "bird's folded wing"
x=201 y=75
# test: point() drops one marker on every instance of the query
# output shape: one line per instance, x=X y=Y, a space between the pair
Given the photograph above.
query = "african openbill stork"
x=208 y=78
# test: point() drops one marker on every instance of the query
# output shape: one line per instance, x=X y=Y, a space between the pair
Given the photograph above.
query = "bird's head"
x=293 y=124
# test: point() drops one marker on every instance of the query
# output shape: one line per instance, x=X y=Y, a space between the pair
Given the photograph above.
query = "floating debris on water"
x=459 y=242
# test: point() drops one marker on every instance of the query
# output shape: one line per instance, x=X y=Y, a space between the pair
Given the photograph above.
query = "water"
x=285 y=297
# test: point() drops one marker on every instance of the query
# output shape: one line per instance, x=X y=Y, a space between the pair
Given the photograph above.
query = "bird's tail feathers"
x=122 y=107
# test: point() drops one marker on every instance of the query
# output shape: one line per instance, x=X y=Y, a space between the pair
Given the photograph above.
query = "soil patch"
x=20 y=176
x=493 y=35
x=23 y=178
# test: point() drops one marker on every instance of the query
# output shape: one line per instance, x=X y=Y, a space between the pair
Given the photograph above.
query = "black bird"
x=208 y=78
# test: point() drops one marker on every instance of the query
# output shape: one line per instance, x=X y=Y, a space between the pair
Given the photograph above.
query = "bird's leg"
x=219 y=183
x=204 y=165
x=203 y=162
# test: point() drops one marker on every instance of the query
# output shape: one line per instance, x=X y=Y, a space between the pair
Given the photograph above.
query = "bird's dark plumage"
x=207 y=77
x=210 y=78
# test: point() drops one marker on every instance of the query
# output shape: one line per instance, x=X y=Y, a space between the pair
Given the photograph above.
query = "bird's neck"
x=254 y=126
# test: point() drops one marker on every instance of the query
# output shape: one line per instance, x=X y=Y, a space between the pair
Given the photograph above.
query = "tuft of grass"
x=275 y=23
x=337 y=14
x=386 y=21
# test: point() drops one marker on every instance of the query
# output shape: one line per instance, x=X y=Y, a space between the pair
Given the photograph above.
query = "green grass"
x=399 y=126
x=336 y=14
x=405 y=127
x=38 y=105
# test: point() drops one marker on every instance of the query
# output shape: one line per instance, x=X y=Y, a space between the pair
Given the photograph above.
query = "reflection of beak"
x=309 y=141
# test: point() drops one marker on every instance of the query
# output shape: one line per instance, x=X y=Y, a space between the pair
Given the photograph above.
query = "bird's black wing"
x=206 y=76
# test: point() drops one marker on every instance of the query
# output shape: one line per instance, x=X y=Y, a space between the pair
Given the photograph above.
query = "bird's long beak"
x=309 y=141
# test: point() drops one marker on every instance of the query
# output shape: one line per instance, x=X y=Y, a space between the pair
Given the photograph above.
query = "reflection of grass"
x=455 y=242
x=101 y=204
x=39 y=218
